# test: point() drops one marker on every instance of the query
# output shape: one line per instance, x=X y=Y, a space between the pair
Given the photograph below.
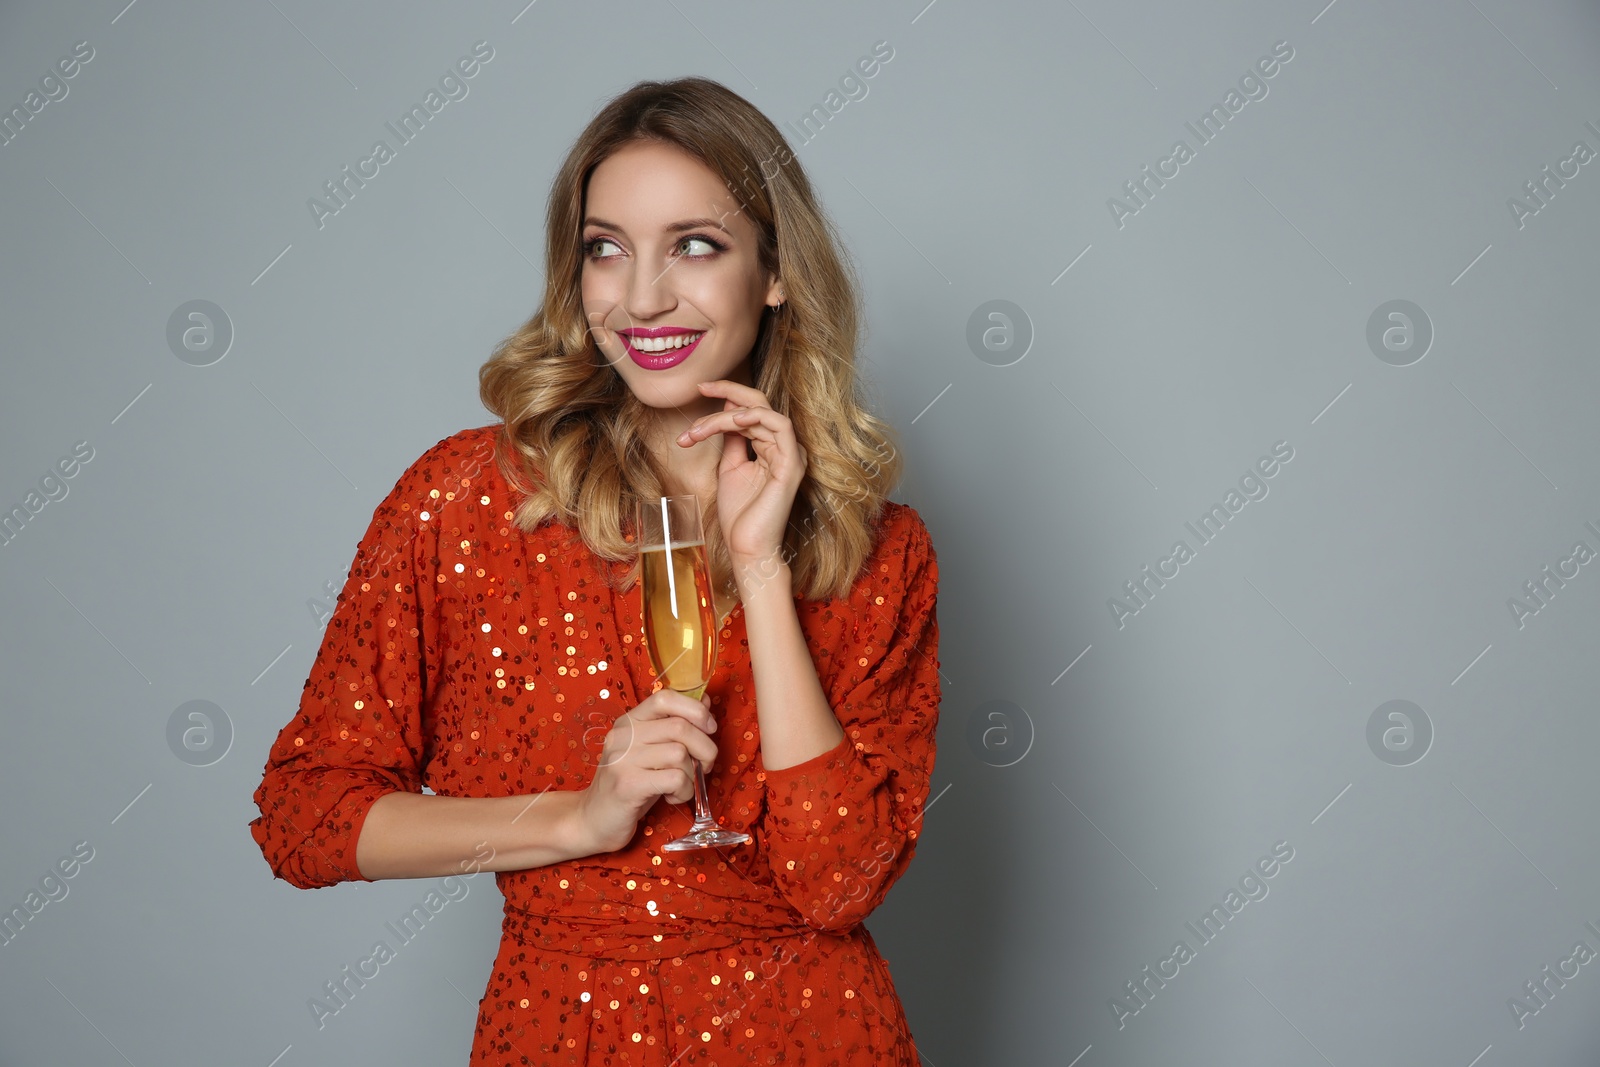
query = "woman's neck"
x=690 y=470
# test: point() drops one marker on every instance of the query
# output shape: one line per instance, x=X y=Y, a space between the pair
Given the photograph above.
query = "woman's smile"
x=662 y=351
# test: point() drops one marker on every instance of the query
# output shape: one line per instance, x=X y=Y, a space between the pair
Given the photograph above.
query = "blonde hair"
x=574 y=437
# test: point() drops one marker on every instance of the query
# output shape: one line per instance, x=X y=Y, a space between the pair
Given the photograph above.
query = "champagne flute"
x=680 y=628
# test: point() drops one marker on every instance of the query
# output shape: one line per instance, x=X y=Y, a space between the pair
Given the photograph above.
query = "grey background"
x=1074 y=836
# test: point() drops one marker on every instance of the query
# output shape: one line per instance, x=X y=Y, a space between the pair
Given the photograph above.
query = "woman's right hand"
x=648 y=753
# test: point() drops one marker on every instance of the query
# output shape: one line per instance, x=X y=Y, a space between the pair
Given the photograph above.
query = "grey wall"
x=1353 y=271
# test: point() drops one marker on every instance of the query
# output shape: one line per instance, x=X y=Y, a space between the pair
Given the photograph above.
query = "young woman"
x=698 y=335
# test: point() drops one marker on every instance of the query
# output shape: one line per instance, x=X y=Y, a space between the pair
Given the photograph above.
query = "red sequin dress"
x=481 y=661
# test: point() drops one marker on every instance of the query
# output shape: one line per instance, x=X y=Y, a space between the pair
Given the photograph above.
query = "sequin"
x=751 y=954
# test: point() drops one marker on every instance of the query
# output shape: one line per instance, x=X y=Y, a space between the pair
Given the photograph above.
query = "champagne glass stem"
x=702 y=803
x=702 y=793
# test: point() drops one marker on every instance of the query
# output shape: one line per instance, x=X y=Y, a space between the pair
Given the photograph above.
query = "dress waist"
x=634 y=939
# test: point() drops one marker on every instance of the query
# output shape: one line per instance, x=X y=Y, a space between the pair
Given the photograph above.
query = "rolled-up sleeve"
x=841 y=828
x=360 y=730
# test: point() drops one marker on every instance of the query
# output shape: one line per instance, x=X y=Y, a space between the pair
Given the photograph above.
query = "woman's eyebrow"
x=675 y=227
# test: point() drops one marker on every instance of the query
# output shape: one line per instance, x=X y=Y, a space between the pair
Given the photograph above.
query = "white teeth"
x=664 y=344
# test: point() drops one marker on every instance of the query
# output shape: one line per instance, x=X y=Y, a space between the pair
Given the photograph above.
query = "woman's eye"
x=593 y=247
x=707 y=242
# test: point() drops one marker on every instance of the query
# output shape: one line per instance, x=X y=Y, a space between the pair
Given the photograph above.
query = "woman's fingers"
x=675 y=742
x=739 y=393
x=758 y=422
x=671 y=730
x=674 y=784
x=664 y=703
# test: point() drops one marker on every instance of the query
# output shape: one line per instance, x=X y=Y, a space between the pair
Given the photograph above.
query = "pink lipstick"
x=670 y=357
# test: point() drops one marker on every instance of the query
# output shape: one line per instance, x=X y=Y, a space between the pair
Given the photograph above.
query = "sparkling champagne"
x=679 y=615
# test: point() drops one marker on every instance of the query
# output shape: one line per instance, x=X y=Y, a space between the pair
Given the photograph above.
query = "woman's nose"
x=649 y=292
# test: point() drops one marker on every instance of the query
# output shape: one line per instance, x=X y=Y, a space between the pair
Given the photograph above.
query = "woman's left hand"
x=754 y=496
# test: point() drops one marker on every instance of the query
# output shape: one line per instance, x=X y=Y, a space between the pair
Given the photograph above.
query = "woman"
x=697 y=335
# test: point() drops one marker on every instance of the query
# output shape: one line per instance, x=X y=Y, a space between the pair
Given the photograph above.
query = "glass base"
x=708 y=836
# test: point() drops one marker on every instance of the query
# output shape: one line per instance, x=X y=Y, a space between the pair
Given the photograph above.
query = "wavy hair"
x=574 y=437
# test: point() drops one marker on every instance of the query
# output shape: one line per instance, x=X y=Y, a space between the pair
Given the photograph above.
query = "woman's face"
x=669 y=258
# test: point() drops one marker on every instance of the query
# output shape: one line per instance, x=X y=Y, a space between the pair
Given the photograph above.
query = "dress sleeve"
x=841 y=827
x=359 y=732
